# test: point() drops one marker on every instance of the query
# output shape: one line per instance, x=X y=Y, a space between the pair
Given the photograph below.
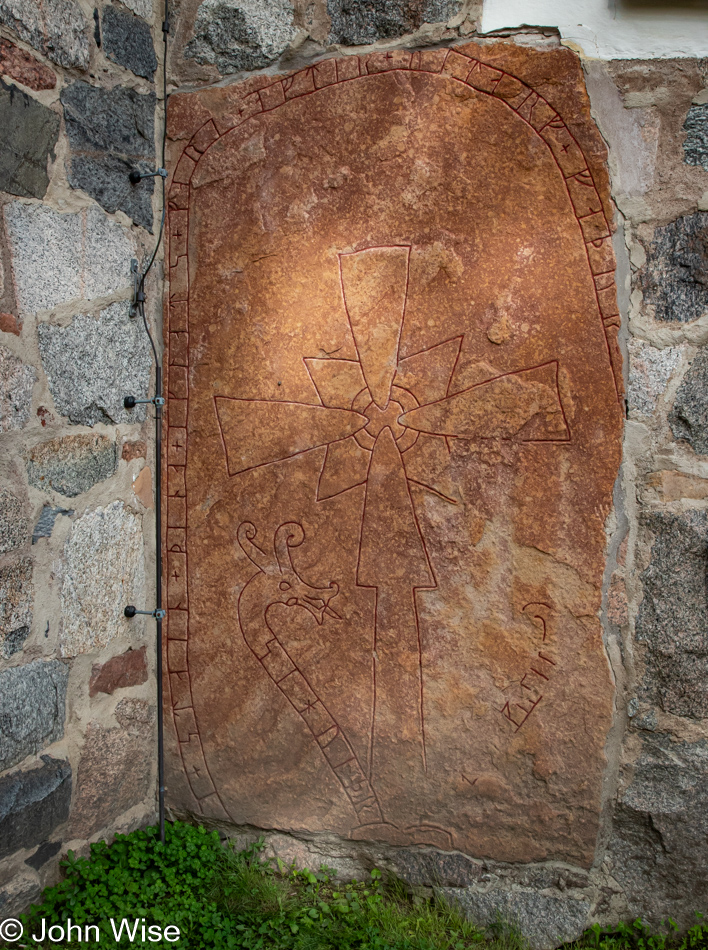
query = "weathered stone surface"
x=17 y=895
x=675 y=278
x=33 y=803
x=56 y=28
x=32 y=709
x=14 y=528
x=10 y=324
x=133 y=450
x=44 y=853
x=71 y=464
x=16 y=599
x=671 y=485
x=24 y=68
x=28 y=134
x=143 y=8
x=61 y=257
x=142 y=487
x=235 y=35
x=94 y=363
x=45 y=522
x=689 y=416
x=45 y=416
x=545 y=921
x=617 y=607
x=672 y=619
x=632 y=135
x=429 y=867
x=111 y=132
x=127 y=40
x=113 y=776
x=696 y=145
x=408 y=623
x=660 y=833
x=645 y=720
x=16 y=383
x=418 y=866
x=120 y=672
x=357 y=22
x=136 y=716
x=104 y=571
x=650 y=370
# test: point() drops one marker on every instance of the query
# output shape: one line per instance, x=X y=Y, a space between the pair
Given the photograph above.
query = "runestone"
x=394 y=421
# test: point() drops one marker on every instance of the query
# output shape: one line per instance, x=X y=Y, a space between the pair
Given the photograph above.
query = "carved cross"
x=386 y=422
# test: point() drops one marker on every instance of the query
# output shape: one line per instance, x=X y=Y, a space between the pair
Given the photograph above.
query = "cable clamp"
x=138 y=294
x=130 y=402
x=131 y=611
x=135 y=176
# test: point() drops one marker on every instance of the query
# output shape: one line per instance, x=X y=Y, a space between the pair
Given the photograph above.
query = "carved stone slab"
x=394 y=428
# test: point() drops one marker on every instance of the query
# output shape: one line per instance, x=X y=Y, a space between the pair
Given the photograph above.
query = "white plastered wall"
x=611 y=29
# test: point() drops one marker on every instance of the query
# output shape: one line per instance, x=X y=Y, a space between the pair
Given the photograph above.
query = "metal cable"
x=158 y=451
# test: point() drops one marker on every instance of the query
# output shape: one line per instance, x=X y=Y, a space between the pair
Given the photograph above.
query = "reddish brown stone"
x=45 y=416
x=142 y=487
x=10 y=324
x=394 y=430
x=617 y=608
x=133 y=450
x=24 y=68
x=128 y=669
x=114 y=775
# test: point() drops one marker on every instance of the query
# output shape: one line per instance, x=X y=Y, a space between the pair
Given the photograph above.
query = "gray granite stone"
x=659 y=844
x=45 y=522
x=16 y=383
x=72 y=464
x=56 y=28
x=111 y=131
x=14 y=528
x=16 y=600
x=104 y=570
x=45 y=852
x=357 y=22
x=61 y=257
x=95 y=362
x=428 y=867
x=14 y=641
x=235 y=35
x=546 y=921
x=32 y=709
x=127 y=40
x=646 y=720
x=689 y=416
x=28 y=134
x=143 y=8
x=33 y=803
x=650 y=370
x=672 y=621
x=695 y=145
x=675 y=277
x=17 y=895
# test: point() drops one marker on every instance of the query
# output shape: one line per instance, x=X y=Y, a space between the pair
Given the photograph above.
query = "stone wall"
x=77 y=709
x=76 y=515
x=653 y=114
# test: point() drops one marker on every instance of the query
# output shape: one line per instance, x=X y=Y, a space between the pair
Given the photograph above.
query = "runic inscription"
x=394 y=432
